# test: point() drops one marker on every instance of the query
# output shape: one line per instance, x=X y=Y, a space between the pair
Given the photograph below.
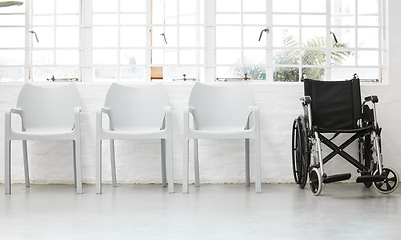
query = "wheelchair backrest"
x=336 y=105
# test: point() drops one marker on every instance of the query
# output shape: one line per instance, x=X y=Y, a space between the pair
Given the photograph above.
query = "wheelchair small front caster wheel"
x=390 y=183
x=315 y=181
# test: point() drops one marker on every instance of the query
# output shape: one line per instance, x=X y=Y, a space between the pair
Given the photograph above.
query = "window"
x=143 y=40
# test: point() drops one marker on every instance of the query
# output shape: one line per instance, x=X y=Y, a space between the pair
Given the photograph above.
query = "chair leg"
x=247 y=168
x=26 y=168
x=170 y=164
x=185 y=167
x=258 y=181
x=7 y=166
x=77 y=151
x=74 y=162
x=163 y=162
x=196 y=163
x=99 y=166
x=113 y=163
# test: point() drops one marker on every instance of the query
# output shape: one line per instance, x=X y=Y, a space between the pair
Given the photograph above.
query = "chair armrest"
x=306 y=100
x=187 y=110
x=77 y=112
x=99 y=119
x=8 y=113
x=371 y=98
x=255 y=111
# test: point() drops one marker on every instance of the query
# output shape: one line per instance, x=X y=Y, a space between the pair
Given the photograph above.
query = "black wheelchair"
x=332 y=108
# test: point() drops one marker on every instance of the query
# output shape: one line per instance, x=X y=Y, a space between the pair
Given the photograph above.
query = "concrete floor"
x=282 y=211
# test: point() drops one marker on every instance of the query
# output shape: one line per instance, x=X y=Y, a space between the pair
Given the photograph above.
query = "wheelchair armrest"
x=306 y=100
x=372 y=98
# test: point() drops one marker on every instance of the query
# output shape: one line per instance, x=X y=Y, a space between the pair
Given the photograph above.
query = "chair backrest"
x=48 y=106
x=136 y=107
x=221 y=107
x=336 y=105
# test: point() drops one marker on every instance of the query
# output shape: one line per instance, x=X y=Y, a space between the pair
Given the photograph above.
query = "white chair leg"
x=258 y=181
x=99 y=166
x=163 y=162
x=170 y=164
x=74 y=154
x=247 y=168
x=185 y=168
x=7 y=166
x=113 y=163
x=78 y=165
x=196 y=163
x=26 y=168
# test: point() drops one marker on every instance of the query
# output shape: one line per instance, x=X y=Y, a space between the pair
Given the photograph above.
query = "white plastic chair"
x=135 y=113
x=47 y=113
x=221 y=112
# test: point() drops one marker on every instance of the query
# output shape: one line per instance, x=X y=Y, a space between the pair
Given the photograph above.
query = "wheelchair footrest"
x=336 y=178
x=370 y=178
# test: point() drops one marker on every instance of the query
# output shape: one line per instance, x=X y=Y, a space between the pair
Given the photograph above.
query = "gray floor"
x=282 y=211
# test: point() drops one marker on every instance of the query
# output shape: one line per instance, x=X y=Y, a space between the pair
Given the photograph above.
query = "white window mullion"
x=269 y=40
x=328 y=40
x=210 y=40
x=86 y=44
x=28 y=42
x=148 y=40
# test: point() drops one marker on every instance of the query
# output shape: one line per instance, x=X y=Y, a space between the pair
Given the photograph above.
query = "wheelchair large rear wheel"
x=390 y=183
x=300 y=156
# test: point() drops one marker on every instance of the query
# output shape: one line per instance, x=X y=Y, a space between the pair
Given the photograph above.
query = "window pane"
x=314 y=37
x=313 y=6
x=105 y=19
x=43 y=6
x=133 y=6
x=343 y=6
x=228 y=36
x=285 y=19
x=132 y=56
x=368 y=37
x=67 y=37
x=313 y=20
x=314 y=73
x=45 y=36
x=105 y=36
x=228 y=56
x=343 y=21
x=126 y=19
x=105 y=74
x=105 y=56
x=343 y=58
x=104 y=6
x=43 y=20
x=187 y=11
x=314 y=57
x=12 y=20
x=11 y=57
x=12 y=37
x=254 y=6
x=43 y=57
x=67 y=20
x=11 y=74
x=287 y=57
x=285 y=37
x=176 y=73
x=228 y=18
x=286 y=74
x=251 y=37
x=67 y=57
x=344 y=36
x=132 y=74
x=368 y=58
x=71 y=6
x=255 y=18
x=368 y=20
x=187 y=36
x=285 y=5
x=368 y=6
x=133 y=36
x=228 y=5
x=187 y=56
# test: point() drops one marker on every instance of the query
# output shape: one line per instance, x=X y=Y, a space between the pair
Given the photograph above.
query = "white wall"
x=221 y=161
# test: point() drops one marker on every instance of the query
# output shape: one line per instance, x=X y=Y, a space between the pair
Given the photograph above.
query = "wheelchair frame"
x=307 y=157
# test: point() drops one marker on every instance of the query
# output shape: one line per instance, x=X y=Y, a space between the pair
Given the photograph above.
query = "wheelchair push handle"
x=372 y=98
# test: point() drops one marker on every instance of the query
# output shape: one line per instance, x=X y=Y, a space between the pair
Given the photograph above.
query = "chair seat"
x=222 y=133
x=324 y=130
x=134 y=133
